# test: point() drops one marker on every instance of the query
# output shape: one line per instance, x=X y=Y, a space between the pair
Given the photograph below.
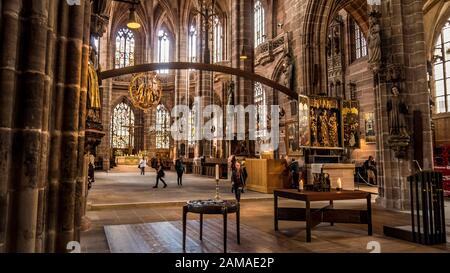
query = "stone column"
x=9 y=35
x=405 y=66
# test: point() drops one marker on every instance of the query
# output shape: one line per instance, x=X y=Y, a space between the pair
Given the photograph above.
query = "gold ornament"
x=145 y=91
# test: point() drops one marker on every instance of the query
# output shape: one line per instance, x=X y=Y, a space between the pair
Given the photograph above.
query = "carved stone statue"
x=397 y=110
x=288 y=70
x=374 y=42
x=230 y=93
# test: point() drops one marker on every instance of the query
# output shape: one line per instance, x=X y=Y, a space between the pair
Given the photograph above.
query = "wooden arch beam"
x=198 y=66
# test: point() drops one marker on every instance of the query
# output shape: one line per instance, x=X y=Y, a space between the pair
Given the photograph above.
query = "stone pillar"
x=9 y=35
x=404 y=66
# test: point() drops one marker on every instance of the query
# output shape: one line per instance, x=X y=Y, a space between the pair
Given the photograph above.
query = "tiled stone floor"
x=125 y=188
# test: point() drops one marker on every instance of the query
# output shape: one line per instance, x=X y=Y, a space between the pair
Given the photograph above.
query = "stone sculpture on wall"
x=397 y=114
x=374 y=42
x=288 y=71
x=400 y=138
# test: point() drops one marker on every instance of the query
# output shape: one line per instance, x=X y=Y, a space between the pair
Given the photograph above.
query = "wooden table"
x=210 y=207
x=328 y=214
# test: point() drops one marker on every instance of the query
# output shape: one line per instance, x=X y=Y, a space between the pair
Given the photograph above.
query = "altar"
x=128 y=160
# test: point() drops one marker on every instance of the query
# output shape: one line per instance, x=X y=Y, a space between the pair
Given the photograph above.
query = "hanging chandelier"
x=145 y=91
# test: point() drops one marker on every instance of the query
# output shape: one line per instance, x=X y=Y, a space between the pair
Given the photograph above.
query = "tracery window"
x=261 y=110
x=360 y=42
x=442 y=71
x=193 y=44
x=125 y=48
x=260 y=35
x=218 y=40
x=163 y=49
x=122 y=127
x=162 y=127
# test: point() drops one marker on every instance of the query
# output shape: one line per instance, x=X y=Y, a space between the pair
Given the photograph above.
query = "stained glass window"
x=261 y=110
x=163 y=49
x=218 y=40
x=121 y=127
x=125 y=48
x=193 y=44
x=260 y=35
x=442 y=71
x=162 y=127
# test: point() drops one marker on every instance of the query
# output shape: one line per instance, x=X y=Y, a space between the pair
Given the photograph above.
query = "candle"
x=217 y=172
x=339 y=184
x=301 y=185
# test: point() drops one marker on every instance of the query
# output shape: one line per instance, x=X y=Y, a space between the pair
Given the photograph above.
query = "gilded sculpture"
x=145 y=91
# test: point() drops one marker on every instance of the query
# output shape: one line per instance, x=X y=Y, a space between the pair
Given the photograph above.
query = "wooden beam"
x=198 y=66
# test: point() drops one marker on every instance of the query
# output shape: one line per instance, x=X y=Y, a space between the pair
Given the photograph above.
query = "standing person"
x=244 y=175
x=295 y=170
x=142 y=165
x=371 y=170
x=179 y=167
x=160 y=175
x=232 y=166
x=237 y=181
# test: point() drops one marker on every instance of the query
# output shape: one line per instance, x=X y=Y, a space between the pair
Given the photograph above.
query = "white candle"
x=217 y=172
x=339 y=184
x=300 y=185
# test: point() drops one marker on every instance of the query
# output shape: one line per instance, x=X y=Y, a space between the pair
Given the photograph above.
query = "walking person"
x=232 y=167
x=142 y=165
x=160 y=175
x=179 y=168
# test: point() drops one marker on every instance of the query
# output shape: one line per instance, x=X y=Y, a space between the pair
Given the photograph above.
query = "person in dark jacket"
x=160 y=175
x=237 y=181
x=295 y=170
x=179 y=168
x=244 y=175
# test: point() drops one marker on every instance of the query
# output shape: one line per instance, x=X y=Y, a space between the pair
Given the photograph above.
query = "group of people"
x=239 y=177
x=158 y=165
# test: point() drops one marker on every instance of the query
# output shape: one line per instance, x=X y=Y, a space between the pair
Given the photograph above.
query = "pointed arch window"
x=122 y=125
x=193 y=44
x=260 y=29
x=162 y=127
x=125 y=48
x=360 y=42
x=163 y=49
x=218 y=40
x=441 y=67
x=261 y=110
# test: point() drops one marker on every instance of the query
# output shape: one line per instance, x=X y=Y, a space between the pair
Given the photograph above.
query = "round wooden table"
x=210 y=207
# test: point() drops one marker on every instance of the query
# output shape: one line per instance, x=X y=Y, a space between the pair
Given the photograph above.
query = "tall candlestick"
x=217 y=197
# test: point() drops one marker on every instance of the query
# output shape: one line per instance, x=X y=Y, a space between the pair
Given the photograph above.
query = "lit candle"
x=339 y=184
x=217 y=172
x=301 y=185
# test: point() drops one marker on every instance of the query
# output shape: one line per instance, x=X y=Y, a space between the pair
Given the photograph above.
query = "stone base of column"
x=85 y=224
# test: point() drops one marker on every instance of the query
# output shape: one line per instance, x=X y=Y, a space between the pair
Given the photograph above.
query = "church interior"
x=300 y=126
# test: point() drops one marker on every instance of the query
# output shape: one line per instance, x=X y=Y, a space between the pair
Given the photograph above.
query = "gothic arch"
x=319 y=14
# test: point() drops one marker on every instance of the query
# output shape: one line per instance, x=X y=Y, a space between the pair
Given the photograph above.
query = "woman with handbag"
x=160 y=174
